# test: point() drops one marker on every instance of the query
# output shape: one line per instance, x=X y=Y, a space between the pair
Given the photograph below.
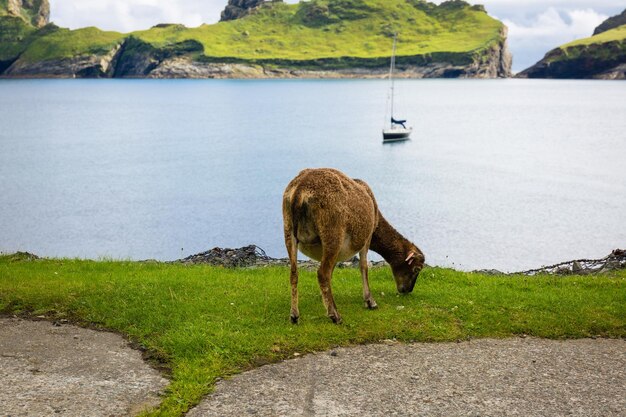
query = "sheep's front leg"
x=367 y=295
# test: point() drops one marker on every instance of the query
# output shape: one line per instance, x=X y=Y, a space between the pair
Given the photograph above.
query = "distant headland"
x=260 y=39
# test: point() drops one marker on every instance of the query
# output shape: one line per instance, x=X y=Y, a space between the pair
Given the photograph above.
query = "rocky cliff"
x=317 y=39
x=34 y=12
x=236 y=9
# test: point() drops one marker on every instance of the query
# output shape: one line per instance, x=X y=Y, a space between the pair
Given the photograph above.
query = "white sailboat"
x=397 y=130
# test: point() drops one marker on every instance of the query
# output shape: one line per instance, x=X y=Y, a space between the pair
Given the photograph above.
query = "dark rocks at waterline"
x=23 y=256
x=240 y=257
x=254 y=256
x=614 y=261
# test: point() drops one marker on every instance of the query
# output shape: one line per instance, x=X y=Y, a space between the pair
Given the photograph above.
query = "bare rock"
x=35 y=12
x=236 y=9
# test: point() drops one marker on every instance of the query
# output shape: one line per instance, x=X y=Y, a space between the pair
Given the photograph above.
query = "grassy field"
x=316 y=29
x=207 y=322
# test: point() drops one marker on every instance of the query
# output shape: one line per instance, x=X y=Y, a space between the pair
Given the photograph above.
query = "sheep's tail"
x=299 y=211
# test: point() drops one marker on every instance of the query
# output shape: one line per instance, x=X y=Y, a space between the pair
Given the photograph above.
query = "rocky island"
x=601 y=56
x=265 y=39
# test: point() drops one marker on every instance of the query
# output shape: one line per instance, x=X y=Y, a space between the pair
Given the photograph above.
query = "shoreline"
x=253 y=256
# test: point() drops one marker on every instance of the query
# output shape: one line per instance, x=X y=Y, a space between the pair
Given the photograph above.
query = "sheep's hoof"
x=294 y=319
x=336 y=319
x=371 y=304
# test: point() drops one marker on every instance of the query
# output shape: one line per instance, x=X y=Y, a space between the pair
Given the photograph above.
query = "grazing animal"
x=330 y=218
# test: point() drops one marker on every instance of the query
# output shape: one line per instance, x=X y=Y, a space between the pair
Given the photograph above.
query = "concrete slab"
x=48 y=370
x=511 y=377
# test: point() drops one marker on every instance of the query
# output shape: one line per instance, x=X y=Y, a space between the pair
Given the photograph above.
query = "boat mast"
x=391 y=68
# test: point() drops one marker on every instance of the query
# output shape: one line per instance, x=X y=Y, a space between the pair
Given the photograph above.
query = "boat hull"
x=396 y=134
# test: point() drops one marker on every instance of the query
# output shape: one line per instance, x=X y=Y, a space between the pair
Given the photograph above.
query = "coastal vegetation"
x=337 y=28
x=203 y=322
x=614 y=35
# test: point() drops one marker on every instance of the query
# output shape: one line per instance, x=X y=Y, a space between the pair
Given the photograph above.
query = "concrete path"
x=48 y=370
x=513 y=377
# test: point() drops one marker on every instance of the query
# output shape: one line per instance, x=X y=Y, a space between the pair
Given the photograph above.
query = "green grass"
x=309 y=31
x=337 y=28
x=617 y=34
x=208 y=322
x=15 y=35
x=4 y=7
x=65 y=43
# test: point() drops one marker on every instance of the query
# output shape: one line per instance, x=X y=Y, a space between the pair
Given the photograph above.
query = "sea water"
x=506 y=174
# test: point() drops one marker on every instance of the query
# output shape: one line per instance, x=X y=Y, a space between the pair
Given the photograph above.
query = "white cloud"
x=130 y=15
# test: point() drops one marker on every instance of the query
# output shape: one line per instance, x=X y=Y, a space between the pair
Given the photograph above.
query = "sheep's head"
x=406 y=271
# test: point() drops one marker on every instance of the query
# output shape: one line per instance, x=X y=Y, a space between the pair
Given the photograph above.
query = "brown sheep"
x=330 y=218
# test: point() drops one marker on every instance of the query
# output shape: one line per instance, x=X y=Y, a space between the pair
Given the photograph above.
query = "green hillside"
x=336 y=28
x=15 y=37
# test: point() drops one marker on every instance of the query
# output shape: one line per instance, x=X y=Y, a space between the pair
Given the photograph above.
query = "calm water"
x=506 y=174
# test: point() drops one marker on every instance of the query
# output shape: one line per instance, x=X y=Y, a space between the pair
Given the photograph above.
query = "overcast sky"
x=534 y=26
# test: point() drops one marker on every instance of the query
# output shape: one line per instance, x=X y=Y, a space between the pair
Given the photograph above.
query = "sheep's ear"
x=410 y=258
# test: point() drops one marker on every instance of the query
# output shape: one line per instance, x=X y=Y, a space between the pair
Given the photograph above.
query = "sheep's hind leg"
x=292 y=250
x=324 y=276
x=367 y=295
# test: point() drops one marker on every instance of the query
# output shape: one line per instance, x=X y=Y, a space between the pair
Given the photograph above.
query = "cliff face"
x=35 y=12
x=316 y=39
x=599 y=57
x=236 y=9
